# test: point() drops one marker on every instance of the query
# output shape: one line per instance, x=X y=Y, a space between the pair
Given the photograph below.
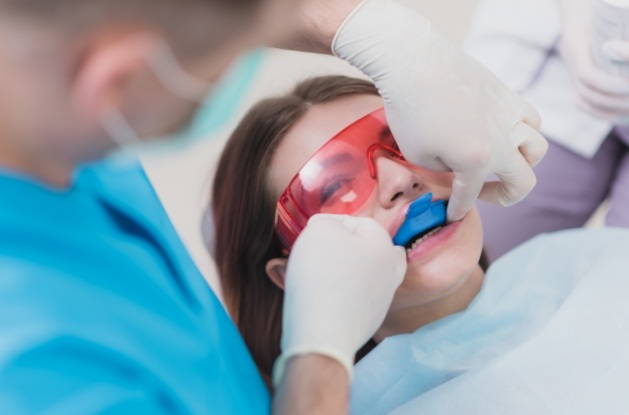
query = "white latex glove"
x=446 y=110
x=341 y=277
x=602 y=95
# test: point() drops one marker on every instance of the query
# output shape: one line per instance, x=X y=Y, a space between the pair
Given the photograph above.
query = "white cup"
x=610 y=21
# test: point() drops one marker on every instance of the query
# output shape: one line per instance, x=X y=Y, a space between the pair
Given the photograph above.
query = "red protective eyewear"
x=339 y=178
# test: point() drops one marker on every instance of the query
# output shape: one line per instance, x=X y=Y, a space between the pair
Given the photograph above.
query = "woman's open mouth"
x=421 y=237
x=431 y=240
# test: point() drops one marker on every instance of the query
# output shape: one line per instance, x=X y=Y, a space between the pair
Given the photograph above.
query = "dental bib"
x=547 y=334
x=423 y=214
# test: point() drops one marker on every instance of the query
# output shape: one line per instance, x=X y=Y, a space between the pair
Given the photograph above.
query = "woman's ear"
x=276 y=271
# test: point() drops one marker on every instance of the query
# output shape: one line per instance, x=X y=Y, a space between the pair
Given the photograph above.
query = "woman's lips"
x=433 y=242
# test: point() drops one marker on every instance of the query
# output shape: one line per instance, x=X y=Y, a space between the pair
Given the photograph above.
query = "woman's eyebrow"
x=336 y=159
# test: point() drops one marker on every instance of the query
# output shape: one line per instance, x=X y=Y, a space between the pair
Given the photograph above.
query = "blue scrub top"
x=103 y=310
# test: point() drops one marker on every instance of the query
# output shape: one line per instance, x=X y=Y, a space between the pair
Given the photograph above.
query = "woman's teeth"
x=423 y=238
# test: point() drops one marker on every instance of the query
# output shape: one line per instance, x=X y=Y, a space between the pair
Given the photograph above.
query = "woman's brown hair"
x=244 y=211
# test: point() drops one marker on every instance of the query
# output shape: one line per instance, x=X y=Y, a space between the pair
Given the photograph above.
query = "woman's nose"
x=396 y=183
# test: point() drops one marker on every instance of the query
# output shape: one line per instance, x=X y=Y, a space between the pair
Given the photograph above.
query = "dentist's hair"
x=75 y=9
x=244 y=211
x=186 y=22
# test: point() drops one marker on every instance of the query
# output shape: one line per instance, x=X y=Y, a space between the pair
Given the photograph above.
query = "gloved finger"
x=602 y=82
x=466 y=187
x=598 y=99
x=346 y=223
x=531 y=143
x=349 y=223
x=530 y=115
x=516 y=181
x=604 y=114
x=357 y=225
x=367 y=228
x=617 y=50
x=586 y=71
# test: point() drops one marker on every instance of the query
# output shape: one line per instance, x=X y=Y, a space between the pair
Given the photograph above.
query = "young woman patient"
x=325 y=147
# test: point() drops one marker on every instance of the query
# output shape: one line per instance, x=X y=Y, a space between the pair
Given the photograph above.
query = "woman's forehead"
x=312 y=131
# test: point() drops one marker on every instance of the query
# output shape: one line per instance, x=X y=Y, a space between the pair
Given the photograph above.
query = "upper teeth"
x=423 y=238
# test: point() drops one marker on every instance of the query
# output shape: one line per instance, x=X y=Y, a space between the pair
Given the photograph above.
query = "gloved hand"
x=599 y=93
x=341 y=277
x=446 y=110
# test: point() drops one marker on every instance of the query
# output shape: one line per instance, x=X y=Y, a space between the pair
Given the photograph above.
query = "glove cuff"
x=279 y=368
x=341 y=28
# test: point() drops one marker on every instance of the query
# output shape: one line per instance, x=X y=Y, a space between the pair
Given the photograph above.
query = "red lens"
x=338 y=179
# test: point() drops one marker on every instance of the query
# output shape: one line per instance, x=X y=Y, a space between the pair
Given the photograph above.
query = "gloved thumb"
x=466 y=187
x=366 y=228
x=359 y=226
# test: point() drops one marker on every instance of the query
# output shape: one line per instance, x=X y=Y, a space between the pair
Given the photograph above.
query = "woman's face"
x=439 y=265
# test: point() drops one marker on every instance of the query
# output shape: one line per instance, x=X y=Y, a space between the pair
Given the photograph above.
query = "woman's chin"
x=437 y=279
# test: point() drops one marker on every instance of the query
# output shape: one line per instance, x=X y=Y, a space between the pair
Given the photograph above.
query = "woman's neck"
x=409 y=319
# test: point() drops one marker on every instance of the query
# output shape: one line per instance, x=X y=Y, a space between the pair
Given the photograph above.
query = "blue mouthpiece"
x=423 y=214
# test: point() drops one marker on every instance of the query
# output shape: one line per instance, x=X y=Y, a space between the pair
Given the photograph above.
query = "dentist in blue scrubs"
x=102 y=310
